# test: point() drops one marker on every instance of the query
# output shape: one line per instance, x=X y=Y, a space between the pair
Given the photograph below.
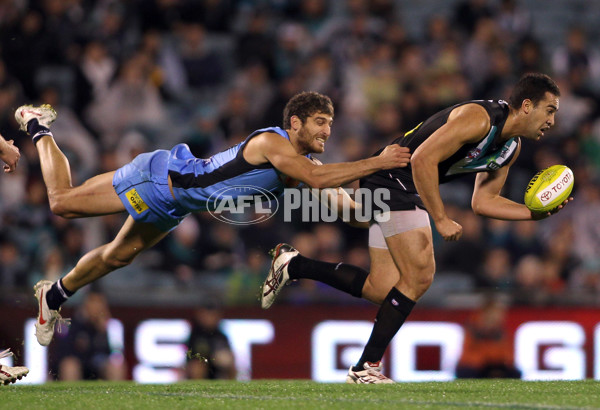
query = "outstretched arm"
x=9 y=153
x=487 y=201
x=269 y=147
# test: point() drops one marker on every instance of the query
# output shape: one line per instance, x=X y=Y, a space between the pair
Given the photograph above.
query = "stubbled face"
x=313 y=134
x=541 y=116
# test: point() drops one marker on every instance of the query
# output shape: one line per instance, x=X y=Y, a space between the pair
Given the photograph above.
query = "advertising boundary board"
x=319 y=342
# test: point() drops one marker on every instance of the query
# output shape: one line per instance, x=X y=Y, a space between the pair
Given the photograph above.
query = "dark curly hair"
x=305 y=104
x=532 y=86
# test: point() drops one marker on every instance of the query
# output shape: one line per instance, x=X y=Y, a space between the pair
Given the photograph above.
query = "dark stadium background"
x=138 y=75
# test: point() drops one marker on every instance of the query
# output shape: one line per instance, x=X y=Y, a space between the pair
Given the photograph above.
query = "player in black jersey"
x=475 y=136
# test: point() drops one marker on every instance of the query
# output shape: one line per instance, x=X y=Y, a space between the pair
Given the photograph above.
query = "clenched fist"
x=394 y=156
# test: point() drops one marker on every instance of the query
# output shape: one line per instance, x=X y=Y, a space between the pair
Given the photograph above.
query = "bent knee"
x=424 y=280
x=61 y=205
x=416 y=282
x=421 y=282
x=376 y=291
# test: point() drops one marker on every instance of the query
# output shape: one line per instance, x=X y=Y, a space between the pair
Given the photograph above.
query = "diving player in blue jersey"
x=480 y=137
x=158 y=189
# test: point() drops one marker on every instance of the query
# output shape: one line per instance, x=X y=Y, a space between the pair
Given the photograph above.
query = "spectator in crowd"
x=202 y=65
x=514 y=20
x=524 y=239
x=13 y=268
x=530 y=56
x=84 y=350
x=530 y=281
x=257 y=45
x=467 y=255
x=467 y=13
x=496 y=272
x=487 y=349
x=576 y=55
x=244 y=283
x=209 y=353
x=95 y=71
x=132 y=100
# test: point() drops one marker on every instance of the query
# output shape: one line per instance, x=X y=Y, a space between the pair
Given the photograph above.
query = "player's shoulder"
x=269 y=140
x=265 y=143
x=470 y=108
x=270 y=135
x=471 y=113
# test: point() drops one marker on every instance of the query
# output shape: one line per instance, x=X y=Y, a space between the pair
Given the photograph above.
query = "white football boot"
x=44 y=113
x=10 y=374
x=47 y=318
x=278 y=274
x=371 y=375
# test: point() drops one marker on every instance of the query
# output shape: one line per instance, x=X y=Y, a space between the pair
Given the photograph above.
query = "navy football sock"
x=391 y=316
x=36 y=130
x=344 y=277
x=57 y=295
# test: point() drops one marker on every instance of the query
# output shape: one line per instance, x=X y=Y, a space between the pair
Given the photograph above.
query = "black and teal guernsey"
x=488 y=154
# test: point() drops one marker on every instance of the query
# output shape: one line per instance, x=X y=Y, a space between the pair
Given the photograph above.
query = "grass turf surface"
x=301 y=394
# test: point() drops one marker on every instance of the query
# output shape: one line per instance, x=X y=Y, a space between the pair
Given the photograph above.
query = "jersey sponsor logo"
x=504 y=152
x=136 y=201
x=488 y=160
x=474 y=153
x=493 y=165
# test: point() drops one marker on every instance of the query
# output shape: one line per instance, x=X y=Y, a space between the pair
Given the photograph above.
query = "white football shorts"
x=397 y=222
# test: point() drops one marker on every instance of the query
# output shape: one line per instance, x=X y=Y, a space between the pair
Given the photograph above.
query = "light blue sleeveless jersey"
x=196 y=179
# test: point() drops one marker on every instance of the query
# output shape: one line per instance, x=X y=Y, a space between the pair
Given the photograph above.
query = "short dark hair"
x=532 y=86
x=305 y=104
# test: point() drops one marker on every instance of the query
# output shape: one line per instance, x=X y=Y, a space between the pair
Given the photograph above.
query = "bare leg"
x=55 y=166
x=384 y=274
x=114 y=371
x=94 y=197
x=132 y=239
x=70 y=369
x=412 y=252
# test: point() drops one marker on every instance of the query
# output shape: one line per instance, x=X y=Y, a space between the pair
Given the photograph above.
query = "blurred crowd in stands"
x=131 y=76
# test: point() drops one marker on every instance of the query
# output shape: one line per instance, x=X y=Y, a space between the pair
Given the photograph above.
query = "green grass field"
x=295 y=394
